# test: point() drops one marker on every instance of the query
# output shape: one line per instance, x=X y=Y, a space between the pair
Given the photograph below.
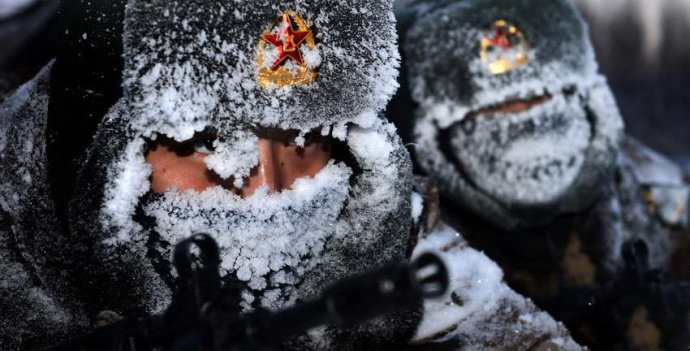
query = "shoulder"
x=666 y=186
x=31 y=316
x=22 y=139
x=32 y=310
x=28 y=103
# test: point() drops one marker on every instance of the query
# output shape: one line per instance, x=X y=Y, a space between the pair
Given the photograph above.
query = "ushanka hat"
x=308 y=66
x=512 y=117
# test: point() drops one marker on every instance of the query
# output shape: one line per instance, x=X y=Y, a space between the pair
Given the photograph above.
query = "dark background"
x=643 y=47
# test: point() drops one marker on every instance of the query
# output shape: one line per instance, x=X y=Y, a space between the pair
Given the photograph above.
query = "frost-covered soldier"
x=526 y=143
x=257 y=122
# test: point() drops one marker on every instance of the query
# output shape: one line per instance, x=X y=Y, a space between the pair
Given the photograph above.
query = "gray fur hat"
x=469 y=61
x=307 y=65
x=193 y=61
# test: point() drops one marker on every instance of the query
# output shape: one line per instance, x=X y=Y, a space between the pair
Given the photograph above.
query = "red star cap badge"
x=501 y=39
x=288 y=42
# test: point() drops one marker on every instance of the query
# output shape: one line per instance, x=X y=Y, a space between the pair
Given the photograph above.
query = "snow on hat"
x=285 y=64
x=236 y=67
x=450 y=68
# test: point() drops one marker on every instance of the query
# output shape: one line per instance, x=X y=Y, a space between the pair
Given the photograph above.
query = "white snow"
x=544 y=157
x=269 y=240
x=417 y=207
x=370 y=143
x=495 y=163
x=552 y=81
x=373 y=148
x=130 y=181
x=473 y=276
x=262 y=237
x=175 y=79
x=480 y=310
x=179 y=82
x=235 y=157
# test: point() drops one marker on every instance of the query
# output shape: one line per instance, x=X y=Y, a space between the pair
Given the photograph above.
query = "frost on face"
x=193 y=69
x=266 y=240
x=544 y=132
x=480 y=310
x=530 y=157
x=329 y=227
x=234 y=157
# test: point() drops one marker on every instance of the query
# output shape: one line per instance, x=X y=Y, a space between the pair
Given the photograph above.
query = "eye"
x=202 y=143
x=204 y=146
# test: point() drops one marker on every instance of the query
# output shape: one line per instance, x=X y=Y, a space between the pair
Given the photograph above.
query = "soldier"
x=526 y=143
x=257 y=122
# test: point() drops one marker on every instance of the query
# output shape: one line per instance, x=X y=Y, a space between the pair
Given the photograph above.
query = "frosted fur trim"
x=375 y=221
x=196 y=62
x=268 y=240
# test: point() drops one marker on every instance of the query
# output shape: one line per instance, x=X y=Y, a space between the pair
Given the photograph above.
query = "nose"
x=265 y=173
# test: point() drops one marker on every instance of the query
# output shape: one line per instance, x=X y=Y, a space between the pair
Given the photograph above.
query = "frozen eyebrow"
x=274 y=133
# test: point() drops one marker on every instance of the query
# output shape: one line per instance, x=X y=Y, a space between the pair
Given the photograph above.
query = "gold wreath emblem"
x=504 y=48
x=286 y=36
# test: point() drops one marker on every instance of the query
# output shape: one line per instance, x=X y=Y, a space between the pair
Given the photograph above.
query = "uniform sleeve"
x=30 y=319
x=31 y=315
x=481 y=312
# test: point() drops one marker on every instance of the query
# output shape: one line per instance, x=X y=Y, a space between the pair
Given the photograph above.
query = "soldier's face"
x=181 y=166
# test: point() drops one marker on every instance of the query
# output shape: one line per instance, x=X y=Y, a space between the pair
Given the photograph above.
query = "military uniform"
x=562 y=265
x=84 y=239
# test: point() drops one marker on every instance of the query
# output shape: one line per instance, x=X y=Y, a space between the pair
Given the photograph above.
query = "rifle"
x=200 y=316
